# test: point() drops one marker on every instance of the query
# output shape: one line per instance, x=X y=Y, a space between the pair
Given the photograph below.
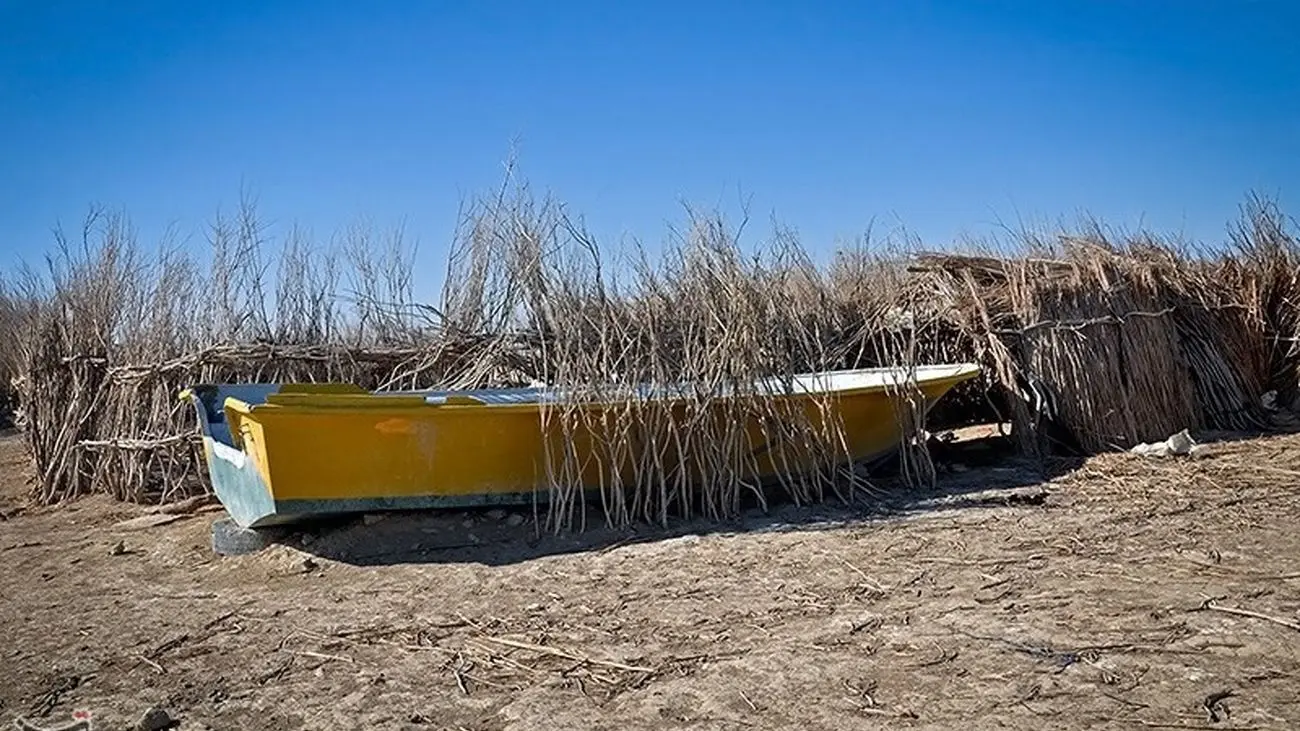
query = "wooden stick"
x=157 y=668
x=320 y=655
x=542 y=649
x=1199 y=727
x=872 y=582
x=1211 y=606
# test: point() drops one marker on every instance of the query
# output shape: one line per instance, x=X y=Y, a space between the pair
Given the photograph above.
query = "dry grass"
x=1264 y=271
x=1090 y=339
x=702 y=318
x=10 y=317
x=1106 y=342
x=117 y=332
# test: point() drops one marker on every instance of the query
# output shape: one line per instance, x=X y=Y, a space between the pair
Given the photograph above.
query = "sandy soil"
x=1131 y=593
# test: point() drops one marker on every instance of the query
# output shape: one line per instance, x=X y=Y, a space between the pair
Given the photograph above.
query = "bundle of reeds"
x=1263 y=268
x=112 y=335
x=1097 y=343
x=11 y=313
x=703 y=319
x=1113 y=344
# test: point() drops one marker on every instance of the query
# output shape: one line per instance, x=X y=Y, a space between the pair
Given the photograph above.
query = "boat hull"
x=282 y=454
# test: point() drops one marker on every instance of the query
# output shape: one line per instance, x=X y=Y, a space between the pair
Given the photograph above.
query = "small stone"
x=372 y=518
x=468 y=522
x=307 y=539
x=118 y=549
x=309 y=564
x=496 y=514
x=154 y=719
x=515 y=520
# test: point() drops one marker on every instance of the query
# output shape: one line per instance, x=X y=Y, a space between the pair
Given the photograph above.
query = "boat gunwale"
x=404 y=402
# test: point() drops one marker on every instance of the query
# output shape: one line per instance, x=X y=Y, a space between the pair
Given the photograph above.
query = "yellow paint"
x=338 y=443
x=249 y=434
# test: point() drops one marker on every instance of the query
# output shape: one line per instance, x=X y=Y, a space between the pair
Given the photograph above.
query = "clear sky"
x=944 y=116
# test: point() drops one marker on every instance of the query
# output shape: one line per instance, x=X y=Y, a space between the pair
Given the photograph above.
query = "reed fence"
x=1089 y=341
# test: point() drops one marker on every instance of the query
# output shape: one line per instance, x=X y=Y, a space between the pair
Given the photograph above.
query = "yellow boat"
x=284 y=453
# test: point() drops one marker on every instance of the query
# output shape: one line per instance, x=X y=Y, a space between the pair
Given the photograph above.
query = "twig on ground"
x=1213 y=705
x=171 y=644
x=320 y=655
x=544 y=650
x=1125 y=701
x=1209 y=605
x=157 y=668
x=876 y=585
x=220 y=619
x=1196 y=726
x=459 y=674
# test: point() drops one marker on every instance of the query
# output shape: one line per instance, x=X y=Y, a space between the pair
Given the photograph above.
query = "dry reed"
x=11 y=316
x=1091 y=339
x=113 y=334
x=721 y=330
x=1113 y=343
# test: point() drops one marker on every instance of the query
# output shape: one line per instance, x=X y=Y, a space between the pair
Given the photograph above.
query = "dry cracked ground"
x=1130 y=593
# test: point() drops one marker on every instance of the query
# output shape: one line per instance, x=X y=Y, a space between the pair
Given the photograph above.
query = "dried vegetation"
x=1106 y=342
x=1090 y=341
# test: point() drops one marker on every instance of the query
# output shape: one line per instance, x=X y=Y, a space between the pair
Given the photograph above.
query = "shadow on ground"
x=499 y=536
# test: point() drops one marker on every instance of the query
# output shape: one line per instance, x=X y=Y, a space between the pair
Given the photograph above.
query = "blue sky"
x=944 y=116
